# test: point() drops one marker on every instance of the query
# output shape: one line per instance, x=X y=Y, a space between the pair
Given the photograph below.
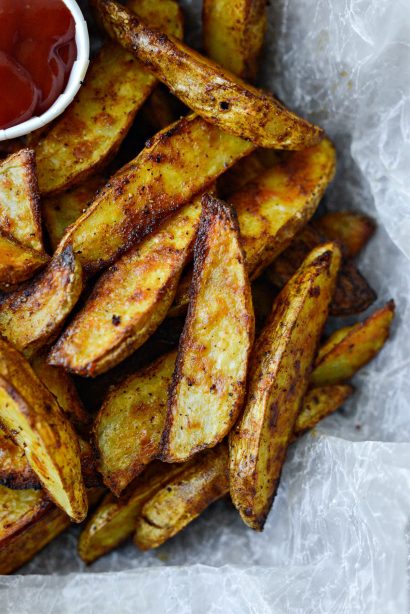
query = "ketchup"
x=37 y=53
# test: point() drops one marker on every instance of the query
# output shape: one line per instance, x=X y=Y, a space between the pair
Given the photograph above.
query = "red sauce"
x=37 y=52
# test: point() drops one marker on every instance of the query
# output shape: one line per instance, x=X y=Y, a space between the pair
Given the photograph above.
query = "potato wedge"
x=62 y=210
x=352 y=293
x=279 y=377
x=18 y=263
x=114 y=520
x=32 y=416
x=273 y=208
x=183 y=499
x=20 y=508
x=234 y=31
x=91 y=130
x=19 y=200
x=177 y=164
x=318 y=404
x=32 y=316
x=134 y=413
x=130 y=300
x=204 y=86
x=352 y=347
x=351 y=228
x=214 y=349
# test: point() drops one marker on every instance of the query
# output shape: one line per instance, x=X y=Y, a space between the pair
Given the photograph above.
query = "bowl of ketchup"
x=44 y=55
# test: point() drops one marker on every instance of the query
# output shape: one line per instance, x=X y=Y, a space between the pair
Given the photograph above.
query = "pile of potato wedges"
x=165 y=285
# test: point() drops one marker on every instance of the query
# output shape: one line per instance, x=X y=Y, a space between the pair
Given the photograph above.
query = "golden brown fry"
x=62 y=210
x=352 y=229
x=234 y=31
x=19 y=509
x=352 y=293
x=352 y=347
x=280 y=369
x=208 y=89
x=32 y=316
x=240 y=174
x=18 y=263
x=114 y=520
x=209 y=381
x=19 y=200
x=177 y=164
x=90 y=132
x=183 y=499
x=134 y=414
x=31 y=415
x=318 y=404
x=130 y=300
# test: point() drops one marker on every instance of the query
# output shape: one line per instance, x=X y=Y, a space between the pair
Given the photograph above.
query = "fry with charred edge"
x=178 y=163
x=318 y=404
x=274 y=207
x=352 y=293
x=18 y=263
x=19 y=509
x=130 y=300
x=133 y=413
x=214 y=349
x=20 y=201
x=62 y=210
x=115 y=518
x=93 y=127
x=32 y=316
x=234 y=31
x=279 y=376
x=183 y=499
x=353 y=230
x=33 y=418
x=352 y=347
x=204 y=86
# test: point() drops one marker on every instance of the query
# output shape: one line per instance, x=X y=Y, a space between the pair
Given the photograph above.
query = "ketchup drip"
x=37 y=53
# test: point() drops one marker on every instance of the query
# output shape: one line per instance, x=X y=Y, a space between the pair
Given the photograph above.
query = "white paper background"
x=336 y=539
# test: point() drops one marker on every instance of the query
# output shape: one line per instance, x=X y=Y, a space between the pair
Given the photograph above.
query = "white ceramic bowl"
x=74 y=82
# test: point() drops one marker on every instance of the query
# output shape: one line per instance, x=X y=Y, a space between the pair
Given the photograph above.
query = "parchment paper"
x=337 y=537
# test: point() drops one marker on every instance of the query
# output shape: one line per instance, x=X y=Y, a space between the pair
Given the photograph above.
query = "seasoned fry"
x=32 y=316
x=352 y=347
x=318 y=404
x=130 y=300
x=114 y=520
x=20 y=200
x=133 y=413
x=177 y=164
x=279 y=377
x=90 y=132
x=352 y=293
x=214 y=350
x=234 y=31
x=352 y=229
x=208 y=89
x=18 y=263
x=62 y=210
x=31 y=415
x=274 y=207
x=19 y=509
x=183 y=499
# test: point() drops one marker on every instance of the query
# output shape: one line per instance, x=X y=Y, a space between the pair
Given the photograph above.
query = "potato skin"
x=134 y=413
x=352 y=229
x=89 y=133
x=176 y=164
x=208 y=89
x=234 y=31
x=20 y=216
x=130 y=300
x=280 y=368
x=318 y=404
x=213 y=354
x=203 y=481
x=32 y=316
x=17 y=262
x=352 y=347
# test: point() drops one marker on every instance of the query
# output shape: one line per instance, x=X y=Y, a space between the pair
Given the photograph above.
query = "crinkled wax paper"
x=336 y=540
